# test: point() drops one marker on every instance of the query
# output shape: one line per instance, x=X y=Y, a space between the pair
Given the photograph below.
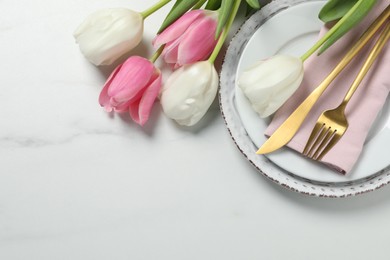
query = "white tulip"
x=268 y=84
x=107 y=34
x=189 y=92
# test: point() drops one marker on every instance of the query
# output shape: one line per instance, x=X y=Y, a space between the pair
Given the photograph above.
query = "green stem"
x=321 y=41
x=225 y=32
x=154 y=8
x=199 y=4
x=157 y=54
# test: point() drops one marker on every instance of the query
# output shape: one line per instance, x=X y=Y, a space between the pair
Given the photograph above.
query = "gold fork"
x=332 y=124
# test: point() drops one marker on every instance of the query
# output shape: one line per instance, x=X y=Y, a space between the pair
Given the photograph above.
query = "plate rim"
x=242 y=140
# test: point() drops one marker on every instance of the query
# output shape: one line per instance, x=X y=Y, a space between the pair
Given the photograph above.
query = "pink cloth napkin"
x=364 y=106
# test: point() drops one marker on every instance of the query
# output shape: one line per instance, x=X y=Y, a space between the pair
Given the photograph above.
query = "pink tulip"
x=133 y=86
x=190 y=39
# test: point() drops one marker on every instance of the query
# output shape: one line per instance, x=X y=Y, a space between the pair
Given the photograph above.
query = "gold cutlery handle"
x=379 y=45
x=290 y=126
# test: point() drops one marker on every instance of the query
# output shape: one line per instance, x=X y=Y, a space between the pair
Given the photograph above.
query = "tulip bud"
x=189 y=92
x=190 y=39
x=107 y=34
x=268 y=84
x=133 y=86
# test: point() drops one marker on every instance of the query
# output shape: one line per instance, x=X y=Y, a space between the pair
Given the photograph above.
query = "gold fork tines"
x=332 y=124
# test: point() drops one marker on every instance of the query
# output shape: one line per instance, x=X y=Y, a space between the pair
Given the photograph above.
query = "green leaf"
x=213 y=4
x=199 y=4
x=254 y=4
x=178 y=9
x=223 y=15
x=335 y=9
x=349 y=20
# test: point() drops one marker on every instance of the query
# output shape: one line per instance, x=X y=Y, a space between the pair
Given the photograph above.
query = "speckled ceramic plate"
x=291 y=26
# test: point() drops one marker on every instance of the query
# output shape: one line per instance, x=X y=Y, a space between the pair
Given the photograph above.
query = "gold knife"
x=290 y=126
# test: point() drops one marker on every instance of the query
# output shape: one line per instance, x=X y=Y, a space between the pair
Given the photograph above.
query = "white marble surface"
x=76 y=183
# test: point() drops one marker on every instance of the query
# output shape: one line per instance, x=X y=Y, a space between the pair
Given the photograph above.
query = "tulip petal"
x=280 y=97
x=133 y=76
x=107 y=34
x=140 y=110
x=170 y=52
x=123 y=107
x=198 y=42
x=189 y=92
x=268 y=84
x=176 y=29
x=104 y=98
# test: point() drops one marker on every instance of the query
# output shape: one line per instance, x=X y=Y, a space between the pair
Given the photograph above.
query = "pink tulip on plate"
x=133 y=86
x=190 y=39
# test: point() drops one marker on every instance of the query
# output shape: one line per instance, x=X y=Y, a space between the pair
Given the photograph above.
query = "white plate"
x=290 y=27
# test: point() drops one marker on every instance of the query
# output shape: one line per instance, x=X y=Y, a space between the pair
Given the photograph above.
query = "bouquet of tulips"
x=190 y=39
